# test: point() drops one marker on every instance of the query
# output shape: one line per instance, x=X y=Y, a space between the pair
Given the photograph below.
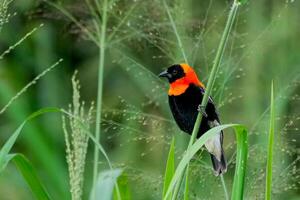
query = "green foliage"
x=170 y=167
x=23 y=164
x=12 y=139
x=242 y=150
x=241 y=163
x=124 y=189
x=270 y=147
x=30 y=175
x=142 y=37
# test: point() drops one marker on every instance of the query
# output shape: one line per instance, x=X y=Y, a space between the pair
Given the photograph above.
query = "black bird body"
x=184 y=108
x=185 y=96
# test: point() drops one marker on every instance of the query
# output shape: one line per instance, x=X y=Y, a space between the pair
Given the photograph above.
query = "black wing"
x=184 y=109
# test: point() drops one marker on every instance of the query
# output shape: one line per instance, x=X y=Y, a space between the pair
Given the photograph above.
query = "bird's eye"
x=175 y=72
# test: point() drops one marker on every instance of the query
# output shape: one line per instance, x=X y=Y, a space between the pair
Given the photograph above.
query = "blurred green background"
x=137 y=126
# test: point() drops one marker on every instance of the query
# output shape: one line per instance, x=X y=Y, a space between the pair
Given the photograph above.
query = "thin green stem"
x=224 y=187
x=92 y=10
x=88 y=32
x=212 y=77
x=101 y=37
x=176 y=32
x=215 y=67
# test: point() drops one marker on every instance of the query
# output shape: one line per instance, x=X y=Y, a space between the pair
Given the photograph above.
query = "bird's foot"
x=201 y=109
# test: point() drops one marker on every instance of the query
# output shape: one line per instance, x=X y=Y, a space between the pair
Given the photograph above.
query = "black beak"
x=164 y=74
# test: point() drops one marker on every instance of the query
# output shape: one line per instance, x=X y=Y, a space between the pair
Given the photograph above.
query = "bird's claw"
x=201 y=109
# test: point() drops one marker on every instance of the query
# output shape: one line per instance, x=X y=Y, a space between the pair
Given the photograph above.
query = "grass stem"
x=101 y=35
x=224 y=187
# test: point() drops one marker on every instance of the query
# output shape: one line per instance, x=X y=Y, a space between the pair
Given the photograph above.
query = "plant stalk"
x=211 y=80
x=224 y=187
x=101 y=36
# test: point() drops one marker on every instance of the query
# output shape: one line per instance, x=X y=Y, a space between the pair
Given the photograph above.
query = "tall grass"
x=140 y=39
x=242 y=150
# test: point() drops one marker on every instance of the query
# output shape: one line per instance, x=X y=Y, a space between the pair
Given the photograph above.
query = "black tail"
x=220 y=167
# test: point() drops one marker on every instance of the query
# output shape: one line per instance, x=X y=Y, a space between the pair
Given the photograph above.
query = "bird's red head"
x=180 y=76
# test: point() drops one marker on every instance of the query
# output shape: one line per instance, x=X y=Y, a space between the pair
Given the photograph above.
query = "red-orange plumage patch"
x=180 y=85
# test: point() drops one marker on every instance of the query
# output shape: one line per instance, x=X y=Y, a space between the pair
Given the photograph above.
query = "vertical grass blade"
x=270 y=147
x=241 y=162
x=241 y=158
x=101 y=32
x=124 y=189
x=170 y=168
x=224 y=187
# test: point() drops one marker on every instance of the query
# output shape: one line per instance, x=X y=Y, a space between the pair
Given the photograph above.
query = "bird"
x=185 y=95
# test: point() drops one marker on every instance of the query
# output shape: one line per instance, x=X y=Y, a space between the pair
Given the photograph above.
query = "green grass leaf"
x=124 y=189
x=241 y=162
x=30 y=176
x=170 y=168
x=270 y=147
x=11 y=141
x=21 y=162
x=242 y=150
x=4 y=158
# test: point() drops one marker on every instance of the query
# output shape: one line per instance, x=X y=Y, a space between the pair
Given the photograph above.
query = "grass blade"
x=242 y=150
x=21 y=162
x=7 y=147
x=124 y=189
x=224 y=187
x=170 y=168
x=270 y=147
x=241 y=162
x=29 y=174
x=11 y=141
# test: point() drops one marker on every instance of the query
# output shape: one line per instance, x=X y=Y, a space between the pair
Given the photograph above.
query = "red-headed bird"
x=185 y=96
